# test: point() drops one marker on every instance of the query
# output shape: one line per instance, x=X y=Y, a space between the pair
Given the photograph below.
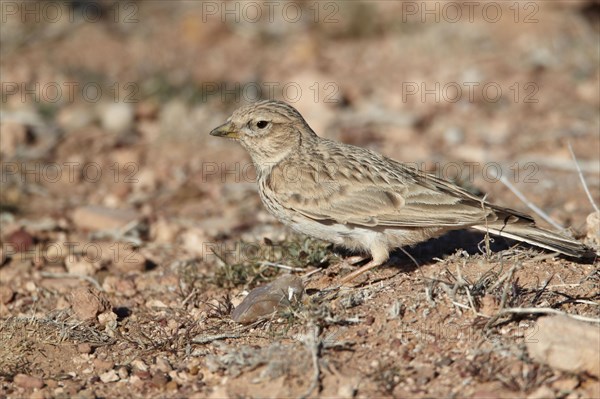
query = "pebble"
x=109 y=319
x=346 y=391
x=139 y=364
x=103 y=365
x=109 y=376
x=164 y=232
x=28 y=382
x=454 y=136
x=126 y=259
x=117 y=117
x=84 y=348
x=79 y=267
x=6 y=295
x=542 y=392
x=120 y=286
x=123 y=372
x=265 y=300
x=87 y=303
x=197 y=242
x=19 y=241
x=156 y=303
x=160 y=379
x=94 y=217
x=163 y=365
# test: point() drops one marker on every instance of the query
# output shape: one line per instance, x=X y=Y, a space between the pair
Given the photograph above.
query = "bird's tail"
x=539 y=237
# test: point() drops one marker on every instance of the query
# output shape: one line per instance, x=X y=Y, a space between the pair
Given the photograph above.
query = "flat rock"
x=27 y=381
x=93 y=217
x=566 y=344
x=265 y=300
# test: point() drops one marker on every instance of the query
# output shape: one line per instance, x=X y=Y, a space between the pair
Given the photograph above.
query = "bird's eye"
x=261 y=124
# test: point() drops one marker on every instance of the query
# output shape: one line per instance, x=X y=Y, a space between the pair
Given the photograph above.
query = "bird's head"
x=268 y=130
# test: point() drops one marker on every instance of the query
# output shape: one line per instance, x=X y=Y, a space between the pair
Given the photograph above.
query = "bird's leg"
x=380 y=255
x=371 y=265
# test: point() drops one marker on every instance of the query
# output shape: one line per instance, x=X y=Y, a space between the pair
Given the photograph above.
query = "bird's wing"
x=397 y=197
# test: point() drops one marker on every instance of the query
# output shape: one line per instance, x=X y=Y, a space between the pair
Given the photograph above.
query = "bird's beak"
x=225 y=130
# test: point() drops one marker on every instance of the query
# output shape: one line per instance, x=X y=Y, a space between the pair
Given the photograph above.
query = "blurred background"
x=127 y=230
x=130 y=90
x=110 y=103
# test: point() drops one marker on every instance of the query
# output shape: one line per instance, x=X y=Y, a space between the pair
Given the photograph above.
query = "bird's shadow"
x=472 y=242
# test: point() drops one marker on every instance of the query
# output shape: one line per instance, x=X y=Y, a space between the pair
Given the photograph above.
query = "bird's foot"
x=358 y=272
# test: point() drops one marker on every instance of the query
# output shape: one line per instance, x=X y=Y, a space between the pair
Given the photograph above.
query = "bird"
x=359 y=199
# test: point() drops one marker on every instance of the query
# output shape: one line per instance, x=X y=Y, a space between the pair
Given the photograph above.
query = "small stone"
x=109 y=376
x=138 y=364
x=87 y=303
x=30 y=286
x=163 y=365
x=164 y=232
x=13 y=135
x=346 y=391
x=103 y=365
x=50 y=383
x=145 y=181
x=172 y=386
x=453 y=136
x=120 y=286
x=79 y=267
x=85 y=394
x=195 y=241
x=142 y=375
x=180 y=377
x=19 y=241
x=542 y=392
x=265 y=300
x=126 y=258
x=108 y=319
x=28 y=382
x=84 y=348
x=93 y=217
x=123 y=373
x=147 y=109
x=117 y=117
x=593 y=228
x=6 y=295
x=156 y=303
x=489 y=305
x=160 y=379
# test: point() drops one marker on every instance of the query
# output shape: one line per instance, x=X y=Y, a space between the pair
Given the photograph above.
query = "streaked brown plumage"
x=359 y=199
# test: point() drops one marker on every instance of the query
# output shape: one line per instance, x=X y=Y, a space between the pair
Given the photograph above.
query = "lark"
x=359 y=199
